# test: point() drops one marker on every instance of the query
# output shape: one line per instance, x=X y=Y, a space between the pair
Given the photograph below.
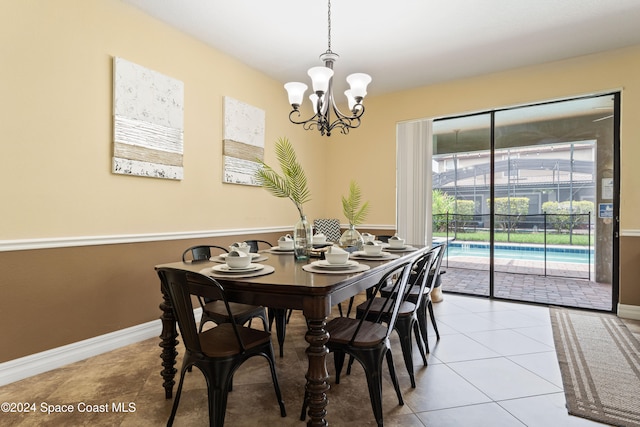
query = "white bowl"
x=396 y=242
x=372 y=248
x=285 y=244
x=337 y=257
x=237 y=259
x=319 y=239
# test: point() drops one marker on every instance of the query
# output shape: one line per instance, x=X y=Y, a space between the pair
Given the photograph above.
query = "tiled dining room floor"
x=495 y=365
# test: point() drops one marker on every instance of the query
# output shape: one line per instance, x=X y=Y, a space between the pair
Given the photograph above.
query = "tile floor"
x=494 y=365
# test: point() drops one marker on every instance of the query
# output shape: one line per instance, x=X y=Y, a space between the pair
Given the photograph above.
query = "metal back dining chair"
x=368 y=340
x=200 y=252
x=254 y=244
x=426 y=304
x=423 y=299
x=279 y=316
x=384 y=238
x=218 y=351
x=329 y=227
x=215 y=311
x=407 y=321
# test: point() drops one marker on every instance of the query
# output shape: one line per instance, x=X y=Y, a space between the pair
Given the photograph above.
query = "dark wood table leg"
x=317 y=375
x=168 y=342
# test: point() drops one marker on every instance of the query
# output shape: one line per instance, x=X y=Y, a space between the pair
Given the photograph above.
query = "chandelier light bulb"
x=296 y=91
x=314 y=102
x=320 y=77
x=358 y=83
x=350 y=99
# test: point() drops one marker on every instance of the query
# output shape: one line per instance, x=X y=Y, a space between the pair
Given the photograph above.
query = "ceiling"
x=402 y=44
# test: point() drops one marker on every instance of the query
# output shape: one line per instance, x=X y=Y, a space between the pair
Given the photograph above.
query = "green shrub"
x=509 y=210
x=567 y=215
x=441 y=204
x=465 y=210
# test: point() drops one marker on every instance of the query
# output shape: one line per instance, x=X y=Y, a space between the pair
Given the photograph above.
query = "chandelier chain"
x=329 y=26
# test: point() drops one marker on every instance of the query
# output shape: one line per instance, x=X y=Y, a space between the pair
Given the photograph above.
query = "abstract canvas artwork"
x=243 y=141
x=148 y=122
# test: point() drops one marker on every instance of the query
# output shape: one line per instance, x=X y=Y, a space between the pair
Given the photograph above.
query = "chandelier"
x=324 y=105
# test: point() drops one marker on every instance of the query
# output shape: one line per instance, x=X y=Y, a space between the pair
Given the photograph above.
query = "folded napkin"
x=235 y=253
x=336 y=250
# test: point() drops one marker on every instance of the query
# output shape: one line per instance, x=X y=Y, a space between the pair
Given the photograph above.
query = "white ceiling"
x=402 y=43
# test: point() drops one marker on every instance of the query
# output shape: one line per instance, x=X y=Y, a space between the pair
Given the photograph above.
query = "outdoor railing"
x=563 y=236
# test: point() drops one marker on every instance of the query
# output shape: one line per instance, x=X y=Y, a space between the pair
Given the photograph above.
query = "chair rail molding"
x=65 y=242
x=68 y=242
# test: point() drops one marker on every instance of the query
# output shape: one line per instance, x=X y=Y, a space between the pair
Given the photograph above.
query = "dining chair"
x=215 y=311
x=279 y=316
x=407 y=321
x=425 y=304
x=329 y=227
x=218 y=352
x=254 y=244
x=368 y=340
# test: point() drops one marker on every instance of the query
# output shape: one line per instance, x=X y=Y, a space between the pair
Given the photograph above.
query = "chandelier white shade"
x=322 y=100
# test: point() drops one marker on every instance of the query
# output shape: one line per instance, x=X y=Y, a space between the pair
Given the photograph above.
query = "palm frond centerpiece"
x=292 y=182
x=351 y=208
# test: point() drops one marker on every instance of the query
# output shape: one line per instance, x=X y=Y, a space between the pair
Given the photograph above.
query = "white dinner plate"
x=363 y=254
x=406 y=248
x=325 y=264
x=253 y=255
x=279 y=249
x=224 y=268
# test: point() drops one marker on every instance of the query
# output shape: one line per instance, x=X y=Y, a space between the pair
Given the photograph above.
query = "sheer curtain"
x=414 y=146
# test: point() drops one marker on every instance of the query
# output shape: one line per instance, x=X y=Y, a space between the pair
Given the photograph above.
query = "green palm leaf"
x=292 y=183
x=351 y=208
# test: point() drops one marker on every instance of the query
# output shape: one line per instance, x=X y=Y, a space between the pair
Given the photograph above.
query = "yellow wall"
x=56 y=85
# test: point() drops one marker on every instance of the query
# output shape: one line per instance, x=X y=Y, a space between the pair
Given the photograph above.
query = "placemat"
x=218 y=258
x=357 y=269
x=280 y=252
x=357 y=255
x=263 y=272
x=405 y=249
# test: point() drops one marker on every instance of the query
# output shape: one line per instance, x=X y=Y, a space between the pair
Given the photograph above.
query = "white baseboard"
x=626 y=311
x=34 y=364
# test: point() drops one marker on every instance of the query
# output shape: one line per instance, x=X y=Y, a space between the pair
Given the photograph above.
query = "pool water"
x=554 y=254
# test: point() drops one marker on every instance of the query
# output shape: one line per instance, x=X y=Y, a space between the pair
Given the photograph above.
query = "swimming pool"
x=532 y=253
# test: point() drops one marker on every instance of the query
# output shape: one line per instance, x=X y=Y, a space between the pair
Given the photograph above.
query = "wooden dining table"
x=289 y=286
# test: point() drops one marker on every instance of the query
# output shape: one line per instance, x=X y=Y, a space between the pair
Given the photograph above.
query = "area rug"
x=600 y=363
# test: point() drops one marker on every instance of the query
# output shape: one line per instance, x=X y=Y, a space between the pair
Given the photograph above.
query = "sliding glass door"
x=461 y=166
x=527 y=198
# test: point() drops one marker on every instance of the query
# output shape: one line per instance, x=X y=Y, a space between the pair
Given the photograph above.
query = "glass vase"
x=351 y=238
x=302 y=239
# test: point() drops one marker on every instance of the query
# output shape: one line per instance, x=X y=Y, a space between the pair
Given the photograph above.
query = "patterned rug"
x=600 y=363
